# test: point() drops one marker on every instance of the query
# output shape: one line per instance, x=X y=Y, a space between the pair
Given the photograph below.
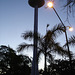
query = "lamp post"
x=50 y=4
x=70 y=28
x=35 y=4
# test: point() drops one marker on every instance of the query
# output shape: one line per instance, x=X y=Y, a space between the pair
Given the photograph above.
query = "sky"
x=16 y=17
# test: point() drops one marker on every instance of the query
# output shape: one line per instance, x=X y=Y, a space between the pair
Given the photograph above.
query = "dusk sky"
x=16 y=17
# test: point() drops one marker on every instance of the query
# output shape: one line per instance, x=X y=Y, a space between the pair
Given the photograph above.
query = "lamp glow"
x=50 y=4
x=70 y=29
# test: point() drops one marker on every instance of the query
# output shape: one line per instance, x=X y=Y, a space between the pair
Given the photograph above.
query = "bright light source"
x=70 y=29
x=50 y=4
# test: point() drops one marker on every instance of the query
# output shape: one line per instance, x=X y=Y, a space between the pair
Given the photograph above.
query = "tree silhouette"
x=50 y=42
x=11 y=64
x=62 y=67
x=46 y=44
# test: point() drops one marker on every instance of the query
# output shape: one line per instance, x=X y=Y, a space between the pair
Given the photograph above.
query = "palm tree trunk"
x=45 y=62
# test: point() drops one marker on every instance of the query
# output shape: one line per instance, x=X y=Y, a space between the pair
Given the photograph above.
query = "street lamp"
x=35 y=4
x=50 y=4
x=70 y=28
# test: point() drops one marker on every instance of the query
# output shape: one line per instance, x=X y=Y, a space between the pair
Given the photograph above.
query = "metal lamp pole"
x=50 y=4
x=35 y=4
x=65 y=34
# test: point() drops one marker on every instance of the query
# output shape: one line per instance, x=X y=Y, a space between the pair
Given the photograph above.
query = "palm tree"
x=50 y=45
x=46 y=44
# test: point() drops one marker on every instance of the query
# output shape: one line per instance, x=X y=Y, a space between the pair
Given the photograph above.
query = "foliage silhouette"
x=71 y=41
x=47 y=44
x=11 y=64
x=62 y=67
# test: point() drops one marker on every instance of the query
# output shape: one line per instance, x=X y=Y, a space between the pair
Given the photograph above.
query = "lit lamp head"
x=70 y=29
x=50 y=4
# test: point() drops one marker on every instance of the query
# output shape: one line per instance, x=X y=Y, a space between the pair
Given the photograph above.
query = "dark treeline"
x=11 y=64
x=60 y=67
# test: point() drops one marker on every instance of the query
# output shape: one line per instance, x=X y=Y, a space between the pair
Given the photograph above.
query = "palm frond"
x=48 y=37
x=54 y=32
x=28 y=35
x=50 y=56
x=71 y=41
x=23 y=46
x=59 y=50
x=57 y=30
x=70 y=2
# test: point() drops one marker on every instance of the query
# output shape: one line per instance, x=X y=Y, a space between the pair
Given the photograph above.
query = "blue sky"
x=16 y=17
